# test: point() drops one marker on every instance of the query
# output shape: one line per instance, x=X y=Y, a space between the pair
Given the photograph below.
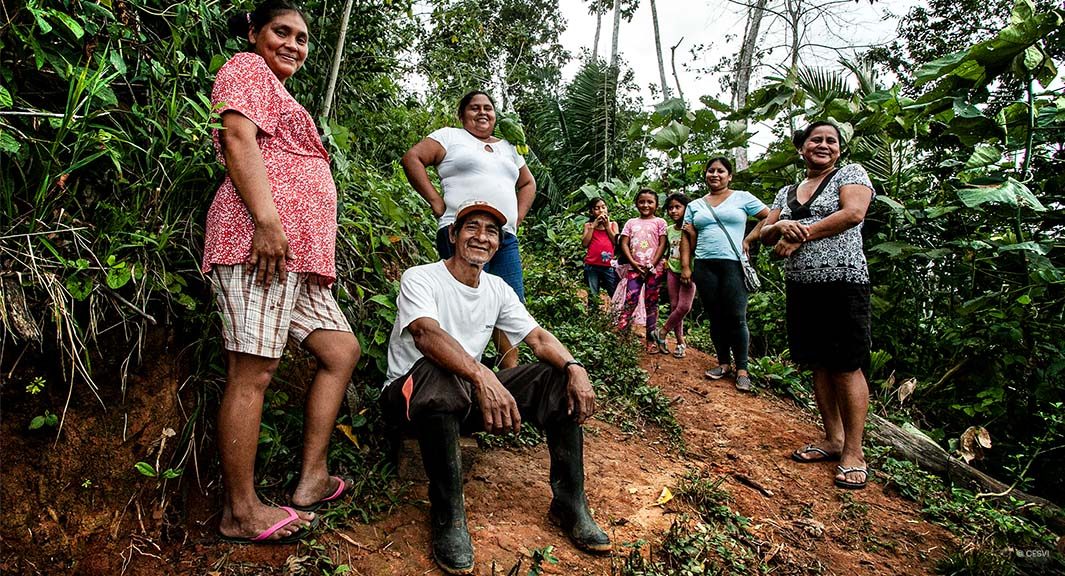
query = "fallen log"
x=930 y=456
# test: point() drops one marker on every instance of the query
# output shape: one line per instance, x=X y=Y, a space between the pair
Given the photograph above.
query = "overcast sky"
x=718 y=26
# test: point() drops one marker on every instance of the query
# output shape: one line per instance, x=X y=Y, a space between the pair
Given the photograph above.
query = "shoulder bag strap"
x=722 y=226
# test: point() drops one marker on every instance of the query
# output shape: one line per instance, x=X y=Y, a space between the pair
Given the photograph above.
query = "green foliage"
x=35 y=386
x=990 y=523
x=46 y=419
x=507 y=47
x=146 y=469
x=539 y=556
x=779 y=374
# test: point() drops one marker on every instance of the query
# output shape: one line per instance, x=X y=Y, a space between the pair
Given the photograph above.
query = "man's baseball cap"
x=470 y=206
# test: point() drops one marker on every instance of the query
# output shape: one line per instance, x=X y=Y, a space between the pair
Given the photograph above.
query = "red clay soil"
x=809 y=525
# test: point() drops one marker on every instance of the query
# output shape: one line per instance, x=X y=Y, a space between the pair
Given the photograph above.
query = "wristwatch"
x=572 y=363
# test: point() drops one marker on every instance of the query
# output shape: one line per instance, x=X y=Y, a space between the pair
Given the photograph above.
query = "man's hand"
x=580 y=399
x=498 y=408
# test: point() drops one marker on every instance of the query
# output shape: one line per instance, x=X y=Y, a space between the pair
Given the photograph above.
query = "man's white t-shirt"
x=468 y=314
x=469 y=171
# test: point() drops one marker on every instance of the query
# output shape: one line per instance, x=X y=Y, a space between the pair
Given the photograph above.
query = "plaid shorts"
x=259 y=321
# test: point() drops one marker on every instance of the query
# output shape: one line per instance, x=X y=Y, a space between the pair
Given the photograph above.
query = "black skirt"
x=828 y=325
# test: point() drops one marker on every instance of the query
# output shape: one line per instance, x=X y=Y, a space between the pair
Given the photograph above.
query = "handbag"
x=750 y=276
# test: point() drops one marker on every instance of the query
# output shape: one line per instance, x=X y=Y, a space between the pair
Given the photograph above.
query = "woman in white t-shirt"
x=475 y=165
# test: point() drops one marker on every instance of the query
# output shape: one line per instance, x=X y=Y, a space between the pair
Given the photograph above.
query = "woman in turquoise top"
x=717 y=271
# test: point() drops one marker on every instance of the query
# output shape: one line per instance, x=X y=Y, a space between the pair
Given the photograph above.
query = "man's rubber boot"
x=438 y=437
x=569 y=507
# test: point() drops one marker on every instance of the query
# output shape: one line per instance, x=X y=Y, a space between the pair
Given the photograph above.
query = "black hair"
x=591 y=206
x=465 y=101
x=801 y=136
x=724 y=162
x=646 y=191
x=680 y=197
x=241 y=23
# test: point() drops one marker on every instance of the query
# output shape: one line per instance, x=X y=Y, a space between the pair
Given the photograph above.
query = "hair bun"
x=798 y=137
x=239 y=25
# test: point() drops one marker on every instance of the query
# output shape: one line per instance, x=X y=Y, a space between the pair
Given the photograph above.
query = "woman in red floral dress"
x=270 y=254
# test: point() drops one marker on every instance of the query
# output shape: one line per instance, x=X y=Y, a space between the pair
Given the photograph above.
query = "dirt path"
x=73 y=514
x=810 y=525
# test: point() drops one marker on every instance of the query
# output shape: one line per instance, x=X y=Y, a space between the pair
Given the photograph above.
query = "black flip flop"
x=847 y=484
x=825 y=456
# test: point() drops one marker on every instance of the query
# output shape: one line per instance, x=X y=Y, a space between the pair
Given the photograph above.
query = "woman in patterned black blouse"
x=816 y=225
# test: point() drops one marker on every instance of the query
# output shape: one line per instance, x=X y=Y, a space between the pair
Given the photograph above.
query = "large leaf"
x=983 y=155
x=714 y=104
x=1010 y=192
x=672 y=109
x=939 y=67
x=673 y=135
x=1034 y=247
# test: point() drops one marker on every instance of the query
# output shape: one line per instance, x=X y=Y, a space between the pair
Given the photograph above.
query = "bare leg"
x=852 y=397
x=243 y=514
x=509 y=358
x=825 y=393
x=337 y=353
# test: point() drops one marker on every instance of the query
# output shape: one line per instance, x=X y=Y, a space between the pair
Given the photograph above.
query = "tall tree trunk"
x=338 y=55
x=658 y=51
x=598 y=29
x=795 y=11
x=742 y=73
x=617 y=27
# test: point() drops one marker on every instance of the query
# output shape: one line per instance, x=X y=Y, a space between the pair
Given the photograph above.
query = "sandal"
x=342 y=487
x=679 y=351
x=660 y=343
x=301 y=531
x=844 y=470
x=824 y=455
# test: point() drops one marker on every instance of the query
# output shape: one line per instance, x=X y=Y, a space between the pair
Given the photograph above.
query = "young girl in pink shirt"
x=643 y=243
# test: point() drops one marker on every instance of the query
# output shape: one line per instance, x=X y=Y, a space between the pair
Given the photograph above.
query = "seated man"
x=437 y=386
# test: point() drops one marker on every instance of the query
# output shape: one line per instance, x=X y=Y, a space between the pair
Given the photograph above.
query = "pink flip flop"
x=342 y=487
x=264 y=536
